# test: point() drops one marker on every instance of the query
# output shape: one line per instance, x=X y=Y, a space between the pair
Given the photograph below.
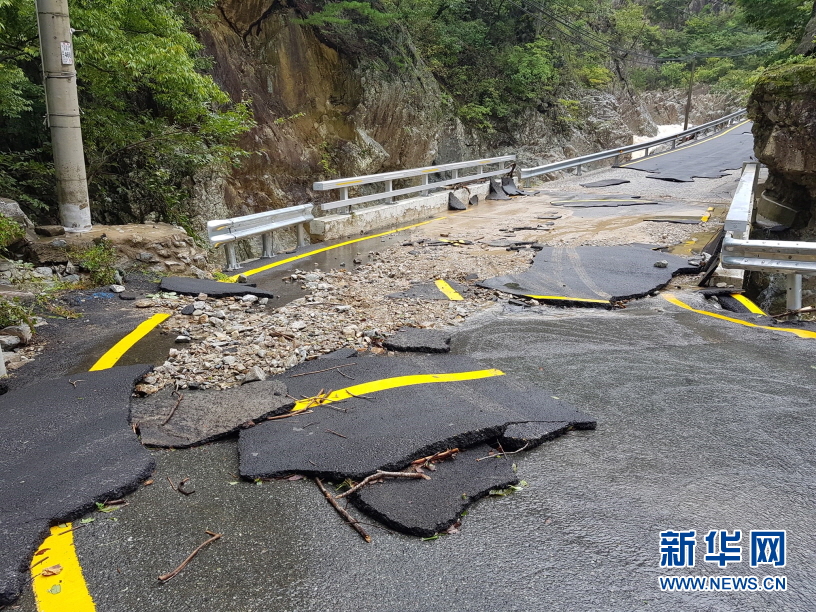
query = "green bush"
x=14 y=313
x=99 y=260
x=10 y=232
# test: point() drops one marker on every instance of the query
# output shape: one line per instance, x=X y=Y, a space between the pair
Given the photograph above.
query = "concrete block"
x=403 y=212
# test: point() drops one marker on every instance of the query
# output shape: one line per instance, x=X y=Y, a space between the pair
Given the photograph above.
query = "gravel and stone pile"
x=220 y=342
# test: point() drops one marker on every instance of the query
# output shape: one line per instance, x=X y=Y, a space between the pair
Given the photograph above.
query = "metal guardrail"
x=388 y=179
x=578 y=162
x=740 y=252
x=227 y=231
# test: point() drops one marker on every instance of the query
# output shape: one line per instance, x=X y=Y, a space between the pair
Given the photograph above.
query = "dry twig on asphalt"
x=345 y=365
x=437 y=457
x=502 y=453
x=291 y=414
x=380 y=474
x=346 y=516
x=175 y=572
x=173 y=411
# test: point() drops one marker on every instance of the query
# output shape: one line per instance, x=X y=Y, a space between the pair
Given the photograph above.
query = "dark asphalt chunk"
x=388 y=429
x=417 y=340
x=63 y=446
x=496 y=192
x=601 y=201
x=425 y=507
x=204 y=416
x=527 y=435
x=194 y=286
x=733 y=305
x=606 y=183
x=710 y=158
x=591 y=273
x=427 y=291
x=455 y=203
x=681 y=220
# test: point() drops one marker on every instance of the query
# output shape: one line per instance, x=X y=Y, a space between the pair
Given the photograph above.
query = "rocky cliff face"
x=325 y=110
x=783 y=108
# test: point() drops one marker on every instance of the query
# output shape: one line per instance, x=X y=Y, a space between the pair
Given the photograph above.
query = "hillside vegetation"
x=154 y=117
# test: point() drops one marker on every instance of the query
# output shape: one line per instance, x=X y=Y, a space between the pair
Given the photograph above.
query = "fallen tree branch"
x=790 y=313
x=380 y=474
x=502 y=453
x=173 y=411
x=437 y=457
x=346 y=516
x=175 y=572
x=331 y=431
x=286 y=416
x=345 y=365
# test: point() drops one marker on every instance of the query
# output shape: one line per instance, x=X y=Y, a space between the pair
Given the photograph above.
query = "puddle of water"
x=152 y=349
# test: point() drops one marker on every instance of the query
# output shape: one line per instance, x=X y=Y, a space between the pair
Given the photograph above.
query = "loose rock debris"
x=62 y=448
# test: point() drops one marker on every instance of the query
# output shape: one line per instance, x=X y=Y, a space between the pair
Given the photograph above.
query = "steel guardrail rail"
x=388 y=178
x=225 y=232
x=577 y=162
x=740 y=252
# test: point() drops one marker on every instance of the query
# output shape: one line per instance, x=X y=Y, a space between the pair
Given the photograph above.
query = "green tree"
x=152 y=117
x=783 y=20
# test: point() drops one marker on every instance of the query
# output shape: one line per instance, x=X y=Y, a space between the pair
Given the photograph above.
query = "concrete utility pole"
x=62 y=104
x=690 y=90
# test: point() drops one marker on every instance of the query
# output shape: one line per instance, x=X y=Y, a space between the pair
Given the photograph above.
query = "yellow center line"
x=707 y=215
x=651 y=157
x=568 y=299
x=109 y=359
x=747 y=303
x=449 y=291
x=597 y=200
x=67 y=590
x=392 y=383
x=328 y=248
x=802 y=333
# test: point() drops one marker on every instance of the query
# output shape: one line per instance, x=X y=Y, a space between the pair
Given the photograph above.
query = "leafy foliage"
x=152 y=117
x=10 y=231
x=98 y=259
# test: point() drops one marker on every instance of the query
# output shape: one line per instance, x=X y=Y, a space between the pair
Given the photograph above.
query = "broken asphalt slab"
x=384 y=424
x=592 y=276
x=187 y=418
x=713 y=157
x=606 y=183
x=412 y=339
x=214 y=289
x=601 y=201
x=426 y=507
x=64 y=445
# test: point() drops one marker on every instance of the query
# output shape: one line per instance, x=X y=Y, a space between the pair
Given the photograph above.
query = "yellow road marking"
x=747 y=303
x=707 y=215
x=109 y=359
x=449 y=291
x=651 y=157
x=567 y=299
x=67 y=590
x=799 y=332
x=392 y=383
x=328 y=248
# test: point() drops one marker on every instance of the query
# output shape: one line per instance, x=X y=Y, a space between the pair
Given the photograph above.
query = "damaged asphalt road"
x=63 y=446
x=705 y=425
x=595 y=276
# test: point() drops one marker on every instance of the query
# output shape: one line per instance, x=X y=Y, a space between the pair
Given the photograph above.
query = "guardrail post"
x=389 y=187
x=674 y=144
x=268 y=245
x=3 y=372
x=344 y=196
x=232 y=259
x=579 y=170
x=794 y=285
x=301 y=235
x=455 y=173
x=424 y=182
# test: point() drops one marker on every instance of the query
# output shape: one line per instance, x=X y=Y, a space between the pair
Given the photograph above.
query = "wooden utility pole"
x=690 y=89
x=62 y=104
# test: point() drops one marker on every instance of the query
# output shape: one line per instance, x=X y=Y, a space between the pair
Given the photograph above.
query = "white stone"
x=249 y=298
